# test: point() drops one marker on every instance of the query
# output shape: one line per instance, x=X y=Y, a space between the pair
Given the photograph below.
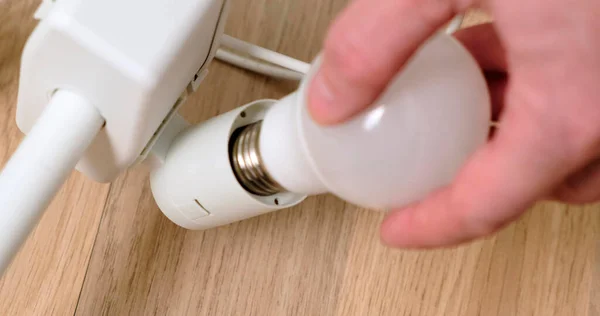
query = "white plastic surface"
x=43 y=9
x=41 y=164
x=257 y=66
x=132 y=59
x=264 y=54
x=194 y=185
x=411 y=141
x=282 y=152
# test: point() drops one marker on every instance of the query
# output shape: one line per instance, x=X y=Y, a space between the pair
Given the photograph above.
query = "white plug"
x=131 y=59
x=41 y=164
x=99 y=81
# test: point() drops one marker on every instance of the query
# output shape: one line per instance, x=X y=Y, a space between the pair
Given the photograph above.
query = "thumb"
x=366 y=47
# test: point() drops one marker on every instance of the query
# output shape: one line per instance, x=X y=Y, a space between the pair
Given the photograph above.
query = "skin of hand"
x=542 y=62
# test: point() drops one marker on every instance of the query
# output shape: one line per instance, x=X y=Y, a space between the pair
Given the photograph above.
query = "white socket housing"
x=195 y=185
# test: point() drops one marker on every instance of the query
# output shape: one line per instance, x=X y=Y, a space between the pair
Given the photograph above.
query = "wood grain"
x=320 y=258
x=46 y=276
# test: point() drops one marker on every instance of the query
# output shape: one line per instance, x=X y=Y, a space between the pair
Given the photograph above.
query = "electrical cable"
x=258 y=66
x=260 y=60
x=455 y=24
x=265 y=54
x=273 y=64
x=40 y=166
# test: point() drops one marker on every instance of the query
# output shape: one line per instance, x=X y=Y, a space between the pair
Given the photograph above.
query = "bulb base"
x=247 y=163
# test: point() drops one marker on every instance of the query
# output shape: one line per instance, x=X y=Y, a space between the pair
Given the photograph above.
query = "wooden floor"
x=107 y=250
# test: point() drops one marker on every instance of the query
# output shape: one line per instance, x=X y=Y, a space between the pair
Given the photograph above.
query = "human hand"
x=542 y=62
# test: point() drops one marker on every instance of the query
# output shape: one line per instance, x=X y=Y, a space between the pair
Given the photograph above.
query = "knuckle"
x=554 y=142
x=581 y=136
x=480 y=226
x=471 y=220
x=568 y=136
x=477 y=217
x=567 y=117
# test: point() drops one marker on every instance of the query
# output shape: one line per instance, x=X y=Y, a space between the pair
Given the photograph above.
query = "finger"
x=522 y=163
x=582 y=187
x=483 y=42
x=366 y=46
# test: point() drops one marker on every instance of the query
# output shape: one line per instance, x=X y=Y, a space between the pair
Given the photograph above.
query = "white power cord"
x=41 y=165
x=260 y=60
x=258 y=66
x=265 y=54
x=455 y=24
x=267 y=62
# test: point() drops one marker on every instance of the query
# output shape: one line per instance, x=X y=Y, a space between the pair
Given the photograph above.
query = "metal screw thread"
x=247 y=163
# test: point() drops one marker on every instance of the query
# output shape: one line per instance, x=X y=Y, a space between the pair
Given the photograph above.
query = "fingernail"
x=323 y=101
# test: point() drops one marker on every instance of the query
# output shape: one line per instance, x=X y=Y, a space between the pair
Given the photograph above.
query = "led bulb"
x=411 y=141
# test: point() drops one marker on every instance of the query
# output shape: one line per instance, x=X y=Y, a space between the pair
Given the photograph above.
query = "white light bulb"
x=411 y=141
